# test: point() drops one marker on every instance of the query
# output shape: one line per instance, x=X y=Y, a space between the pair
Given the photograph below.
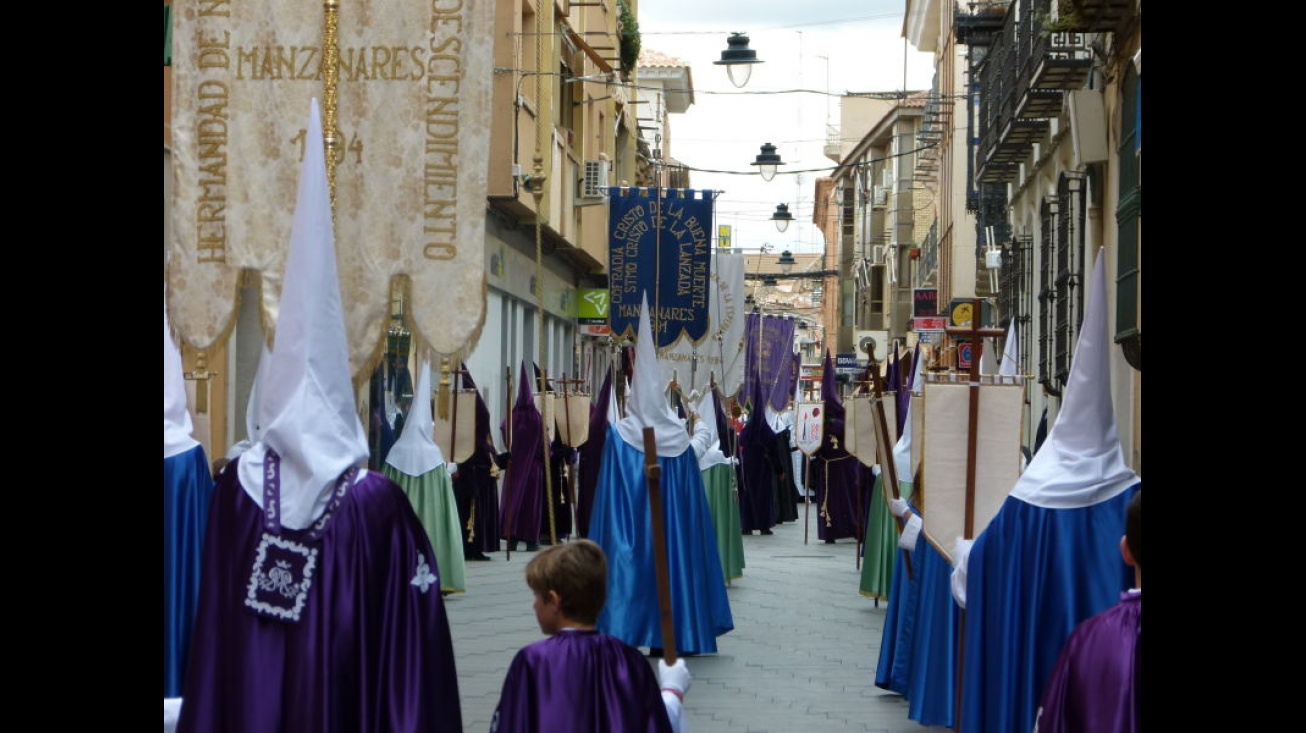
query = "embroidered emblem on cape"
x=424 y=578
x=282 y=574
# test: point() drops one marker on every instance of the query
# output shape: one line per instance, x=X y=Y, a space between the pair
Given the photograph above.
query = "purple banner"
x=769 y=356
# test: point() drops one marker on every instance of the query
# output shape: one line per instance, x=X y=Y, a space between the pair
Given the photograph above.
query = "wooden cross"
x=973 y=333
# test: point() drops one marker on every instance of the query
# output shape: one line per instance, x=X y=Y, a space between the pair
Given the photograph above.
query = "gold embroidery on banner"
x=443 y=80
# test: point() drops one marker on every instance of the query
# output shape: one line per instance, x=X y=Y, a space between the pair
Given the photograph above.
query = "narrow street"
x=801 y=657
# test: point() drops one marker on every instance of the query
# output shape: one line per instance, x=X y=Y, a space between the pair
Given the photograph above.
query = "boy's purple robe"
x=1094 y=686
x=580 y=682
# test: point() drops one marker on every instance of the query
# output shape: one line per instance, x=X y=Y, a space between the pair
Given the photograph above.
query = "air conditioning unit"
x=880 y=196
x=595 y=183
x=887 y=177
x=877 y=253
x=870 y=343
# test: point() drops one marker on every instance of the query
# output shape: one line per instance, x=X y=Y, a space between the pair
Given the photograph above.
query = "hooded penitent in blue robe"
x=187 y=488
x=622 y=524
x=918 y=650
x=1050 y=558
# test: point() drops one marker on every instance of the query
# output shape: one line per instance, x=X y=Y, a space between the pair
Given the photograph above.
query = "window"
x=1016 y=294
x=1069 y=275
x=1047 y=296
x=1129 y=221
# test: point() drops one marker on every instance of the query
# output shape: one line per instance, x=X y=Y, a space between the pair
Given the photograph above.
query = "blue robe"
x=918 y=651
x=622 y=526
x=580 y=682
x=187 y=489
x=1034 y=574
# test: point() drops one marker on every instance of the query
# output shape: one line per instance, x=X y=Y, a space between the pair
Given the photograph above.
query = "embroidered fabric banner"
x=721 y=354
x=769 y=351
x=659 y=242
x=413 y=90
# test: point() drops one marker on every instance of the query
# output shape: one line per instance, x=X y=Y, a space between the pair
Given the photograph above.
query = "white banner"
x=946 y=444
x=413 y=91
x=722 y=352
x=809 y=426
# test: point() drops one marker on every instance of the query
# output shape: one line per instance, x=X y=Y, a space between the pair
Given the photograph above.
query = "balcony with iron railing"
x=1013 y=111
x=1090 y=16
x=975 y=23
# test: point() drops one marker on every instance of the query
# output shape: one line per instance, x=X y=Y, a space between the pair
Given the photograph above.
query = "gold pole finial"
x=330 y=84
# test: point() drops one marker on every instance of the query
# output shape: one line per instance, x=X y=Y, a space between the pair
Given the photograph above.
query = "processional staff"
x=888 y=466
x=974 y=334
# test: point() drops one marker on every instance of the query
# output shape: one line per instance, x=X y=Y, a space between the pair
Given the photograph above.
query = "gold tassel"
x=442 y=403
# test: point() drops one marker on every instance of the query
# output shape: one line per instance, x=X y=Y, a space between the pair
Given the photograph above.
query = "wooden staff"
x=974 y=334
x=507 y=446
x=548 y=464
x=807 y=499
x=653 y=473
x=566 y=420
x=888 y=468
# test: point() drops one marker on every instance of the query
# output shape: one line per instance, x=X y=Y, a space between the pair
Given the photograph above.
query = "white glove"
x=171 y=713
x=960 y=559
x=674 y=677
x=899 y=507
x=910 y=533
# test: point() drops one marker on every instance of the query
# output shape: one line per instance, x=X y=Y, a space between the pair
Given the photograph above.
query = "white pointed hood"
x=416 y=452
x=1081 y=463
x=647 y=406
x=614 y=411
x=988 y=364
x=705 y=430
x=902 y=449
x=177 y=427
x=306 y=409
x=1010 y=364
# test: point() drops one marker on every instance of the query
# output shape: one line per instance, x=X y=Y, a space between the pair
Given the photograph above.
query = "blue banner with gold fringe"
x=659 y=242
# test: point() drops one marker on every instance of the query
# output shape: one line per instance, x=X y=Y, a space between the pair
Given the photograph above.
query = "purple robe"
x=835 y=472
x=757 y=469
x=370 y=650
x=475 y=487
x=522 y=513
x=591 y=452
x=1094 y=686
x=580 y=682
x=725 y=427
